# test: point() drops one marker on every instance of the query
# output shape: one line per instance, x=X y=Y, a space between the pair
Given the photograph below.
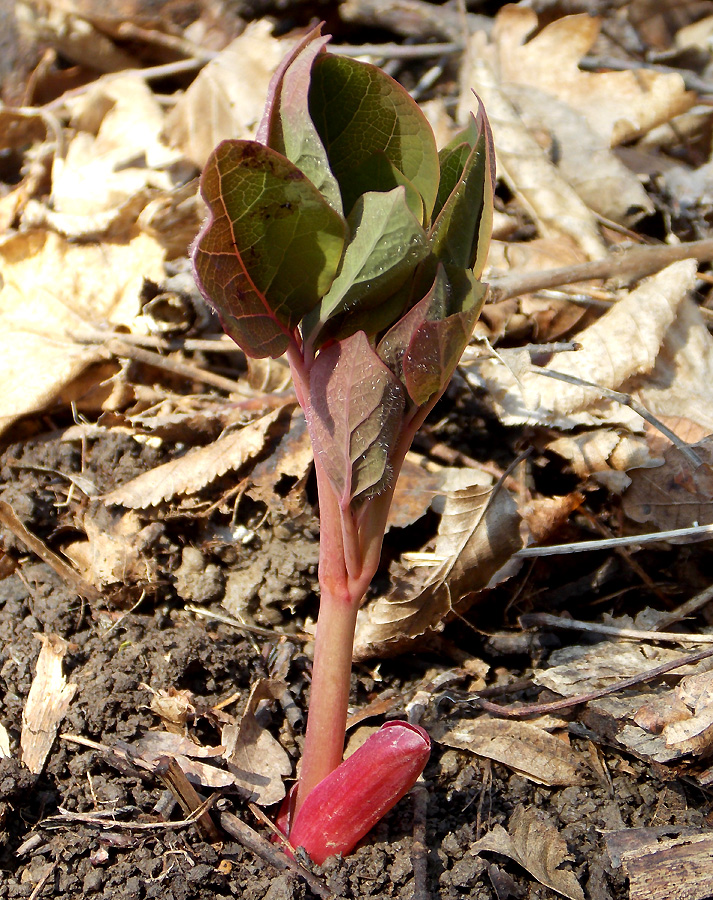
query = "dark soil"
x=115 y=653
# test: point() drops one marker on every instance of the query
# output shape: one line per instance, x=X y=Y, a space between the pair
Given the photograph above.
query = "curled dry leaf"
x=536 y=845
x=605 y=456
x=256 y=760
x=46 y=704
x=196 y=469
x=521 y=746
x=676 y=494
x=189 y=755
x=52 y=292
x=478 y=534
x=623 y=343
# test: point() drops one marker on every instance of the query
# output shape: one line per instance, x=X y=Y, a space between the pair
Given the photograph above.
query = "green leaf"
x=286 y=125
x=461 y=232
x=375 y=135
x=354 y=417
x=387 y=244
x=269 y=249
x=425 y=346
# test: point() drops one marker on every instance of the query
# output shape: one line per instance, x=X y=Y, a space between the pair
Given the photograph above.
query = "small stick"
x=634 y=264
x=173 y=776
x=702 y=532
x=396 y=51
x=542 y=709
x=531 y=620
x=271 y=855
x=686 y=609
x=419 y=853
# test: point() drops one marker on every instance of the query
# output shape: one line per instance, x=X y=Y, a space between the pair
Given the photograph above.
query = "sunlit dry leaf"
x=554 y=205
x=226 y=100
x=583 y=157
x=173 y=706
x=478 y=534
x=116 y=153
x=605 y=456
x=536 y=845
x=544 y=515
x=681 y=383
x=617 y=105
x=4 y=743
x=53 y=291
x=623 y=343
x=521 y=746
x=254 y=757
x=46 y=704
x=676 y=494
x=196 y=469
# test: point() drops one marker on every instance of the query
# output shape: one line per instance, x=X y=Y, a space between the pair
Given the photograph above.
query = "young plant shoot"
x=342 y=238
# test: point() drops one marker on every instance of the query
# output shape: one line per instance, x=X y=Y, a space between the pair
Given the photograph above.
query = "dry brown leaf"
x=545 y=515
x=52 y=292
x=583 y=158
x=174 y=707
x=46 y=704
x=618 y=105
x=196 y=469
x=553 y=204
x=155 y=744
x=227 y=98
x=623 y=343
x=605 y=456
x=257 y=761
x=115 y=549
x=536 y=845
x=521 y=746
x=478 y=534
x=681 y=383
x=116 y=153
x=674 y=495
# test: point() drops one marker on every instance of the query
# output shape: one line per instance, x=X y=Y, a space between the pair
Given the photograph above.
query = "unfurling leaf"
x=270 y=248
x=286 y=125
x=424 y=347
x=354 y=416
x=386 y=246
x=375 y=135
x=348 y=803
x=464 y=206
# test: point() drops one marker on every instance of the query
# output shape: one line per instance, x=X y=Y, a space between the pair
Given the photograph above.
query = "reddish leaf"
x=356 y=408
x=270 y=248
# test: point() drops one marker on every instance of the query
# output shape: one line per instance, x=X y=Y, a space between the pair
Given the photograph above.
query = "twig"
x=172 y=775
x=103 y=821
x=626 y=400
x=701 y=532
x=63 y=569
x=530 y=620
x=185 y=370
x=276 y=858
x=634 y=264
x=541 y=709
x=686 y=609
x=243 y=626
x=396 y=51
x=692 y=81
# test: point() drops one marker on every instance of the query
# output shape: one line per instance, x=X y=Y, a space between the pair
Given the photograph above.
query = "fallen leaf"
x=676 y=494
x=618 y=105
x=46 y=704
x=52 y=293
x=174 y=707
x=227 y=98
x=536 y=845
x=155 y=744
x=621 y=344
x=521 y=746
x=256 y=760
x=196 y=468
x=478 y=534
x=4 y=743
x=605 y=456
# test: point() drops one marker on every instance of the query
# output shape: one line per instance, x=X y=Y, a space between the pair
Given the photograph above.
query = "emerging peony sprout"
x=343 y=239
